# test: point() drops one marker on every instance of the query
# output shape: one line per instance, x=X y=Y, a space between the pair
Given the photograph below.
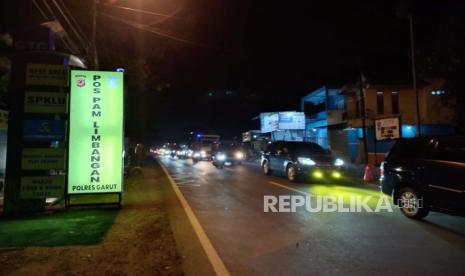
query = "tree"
x=441 y=54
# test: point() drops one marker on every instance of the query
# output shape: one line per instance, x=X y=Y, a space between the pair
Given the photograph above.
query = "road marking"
x=184 y=181
x=289 y=188
x=188 y=184
x=212 y=255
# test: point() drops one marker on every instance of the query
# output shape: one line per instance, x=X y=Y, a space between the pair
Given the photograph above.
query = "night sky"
x=226 y=61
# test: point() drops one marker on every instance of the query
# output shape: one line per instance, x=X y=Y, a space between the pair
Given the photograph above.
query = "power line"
x=70 y=41
x=73 y=29
x=170 y=16
x=66 y=43
x=40 y=10
x=65 y=8
x=164 y=34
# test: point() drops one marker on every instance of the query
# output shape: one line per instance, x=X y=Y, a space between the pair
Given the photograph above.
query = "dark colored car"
x=426 y=173
x=301 y=159
x=228 y=155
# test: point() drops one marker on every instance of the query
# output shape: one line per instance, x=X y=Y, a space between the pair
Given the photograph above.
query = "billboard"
x=96 y=132
x=269 y=122
x=387 y=128
x=291 y=120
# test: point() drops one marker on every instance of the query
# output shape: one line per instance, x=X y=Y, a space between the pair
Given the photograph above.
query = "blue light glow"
x=408 y=131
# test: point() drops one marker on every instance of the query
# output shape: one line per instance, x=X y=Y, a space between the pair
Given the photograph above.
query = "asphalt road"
x=229 y=205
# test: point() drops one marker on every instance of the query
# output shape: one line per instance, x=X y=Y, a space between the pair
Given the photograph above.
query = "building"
x=334 y=117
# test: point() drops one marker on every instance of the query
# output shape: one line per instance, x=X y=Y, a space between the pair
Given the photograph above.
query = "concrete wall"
x=433 y=110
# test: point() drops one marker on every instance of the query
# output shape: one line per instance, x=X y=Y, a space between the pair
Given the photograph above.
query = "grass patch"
x=63 y=228
x=73 y=227
x=94 y=199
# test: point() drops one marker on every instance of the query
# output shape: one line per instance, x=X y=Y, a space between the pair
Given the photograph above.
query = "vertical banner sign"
x=96 y=132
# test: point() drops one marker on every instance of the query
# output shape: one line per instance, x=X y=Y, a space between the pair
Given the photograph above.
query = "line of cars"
x=219 y=153
x=421 y=174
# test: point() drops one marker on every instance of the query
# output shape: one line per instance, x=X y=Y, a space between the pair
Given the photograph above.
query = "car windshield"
x=230 y=147
x=307 y=148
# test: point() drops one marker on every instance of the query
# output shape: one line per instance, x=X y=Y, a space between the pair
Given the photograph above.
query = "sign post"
x=387 y=128
x=95 y=163
x=37 y=131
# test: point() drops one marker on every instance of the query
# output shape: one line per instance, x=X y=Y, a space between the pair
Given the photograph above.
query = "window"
x=451 y=151
x=395 y=102
x=380 y=102
x=307 y=148
x=272 y=148
x=412 y=148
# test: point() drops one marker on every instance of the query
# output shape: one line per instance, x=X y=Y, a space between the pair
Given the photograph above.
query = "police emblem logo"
x=80 y=80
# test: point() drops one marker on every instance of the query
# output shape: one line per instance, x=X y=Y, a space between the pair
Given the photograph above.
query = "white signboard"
x=291 y=120
x=387 y=128
x=269 y=122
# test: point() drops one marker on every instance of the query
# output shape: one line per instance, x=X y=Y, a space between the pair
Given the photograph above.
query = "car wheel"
x=412 y=204
x=266 y=168
x=291 y=173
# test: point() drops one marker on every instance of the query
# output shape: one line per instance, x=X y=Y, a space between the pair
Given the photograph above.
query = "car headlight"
x=338 y=162
x=221 y=157
x=306 y=161
x=196 y=154
x=239 y=155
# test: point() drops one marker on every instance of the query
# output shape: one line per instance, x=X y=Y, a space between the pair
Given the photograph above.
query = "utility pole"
x=94 y=54
x=414 y=76
x=363 y=114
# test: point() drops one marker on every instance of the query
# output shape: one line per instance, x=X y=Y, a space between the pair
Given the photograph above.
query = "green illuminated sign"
x=96 y=132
